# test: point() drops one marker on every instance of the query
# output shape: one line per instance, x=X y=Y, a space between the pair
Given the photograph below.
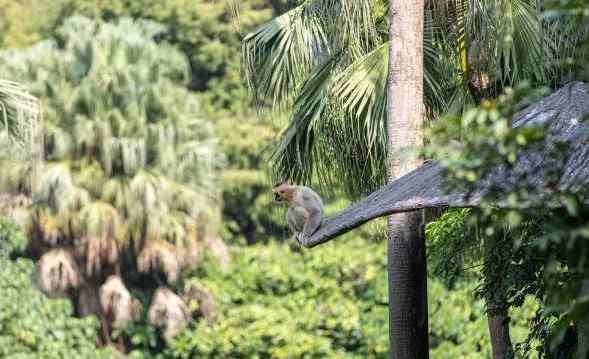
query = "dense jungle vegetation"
x=150 y=229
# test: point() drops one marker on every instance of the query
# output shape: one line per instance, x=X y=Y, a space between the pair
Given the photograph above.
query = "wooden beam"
x=562 y=113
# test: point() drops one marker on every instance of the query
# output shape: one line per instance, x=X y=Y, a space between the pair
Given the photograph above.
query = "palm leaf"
x=280 y=54
x=20 y=120
x=337 y=127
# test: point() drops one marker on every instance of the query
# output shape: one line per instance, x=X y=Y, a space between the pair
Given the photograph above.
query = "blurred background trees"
x=120 y=94
x=127 y=184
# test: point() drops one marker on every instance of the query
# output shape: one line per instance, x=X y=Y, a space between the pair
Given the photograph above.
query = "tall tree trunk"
x=497 y=315
x=498 y=321
x=408 y=322
x=582 y=324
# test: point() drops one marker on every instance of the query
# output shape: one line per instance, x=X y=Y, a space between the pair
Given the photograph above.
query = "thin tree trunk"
x=582 y=351
x=88 y=304
x=408 y=322
x=499 y=331
x=582 y=324
x=497 y=315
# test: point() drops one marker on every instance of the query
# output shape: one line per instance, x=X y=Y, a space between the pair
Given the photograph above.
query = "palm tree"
x=326 y=62
x=128 y=186
x=408 y=320
x=19 y=111
x=20 y=124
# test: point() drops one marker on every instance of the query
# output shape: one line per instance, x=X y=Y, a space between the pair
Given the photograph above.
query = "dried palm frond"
x=169 y=311
x=117 y=303
x=98 y=252
x=218 y=249
x=49 y=227
x=22 y=217
x=20 y=117
x=208 y=224
x=9 y=202
x=58 y=272
x=98 y=230
x=160 y=255
x=198 y=299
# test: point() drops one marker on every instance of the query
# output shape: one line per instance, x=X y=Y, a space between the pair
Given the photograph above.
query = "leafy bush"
x=11 y=238
x=538 y=249
x=329 y=302
x=33 y=326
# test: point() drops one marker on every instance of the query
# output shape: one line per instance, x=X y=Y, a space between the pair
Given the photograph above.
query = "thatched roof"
x=561 y=112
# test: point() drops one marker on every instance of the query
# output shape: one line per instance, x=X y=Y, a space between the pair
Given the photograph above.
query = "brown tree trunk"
x=498 y=320
x=88 y=303
x=408 y=322
x=497 y=315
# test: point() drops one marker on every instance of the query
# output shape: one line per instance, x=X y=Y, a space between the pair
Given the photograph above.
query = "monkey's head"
x=283 y=192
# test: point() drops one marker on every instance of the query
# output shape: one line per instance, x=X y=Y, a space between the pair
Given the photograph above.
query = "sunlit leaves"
x=336 y=94
x=33 y=326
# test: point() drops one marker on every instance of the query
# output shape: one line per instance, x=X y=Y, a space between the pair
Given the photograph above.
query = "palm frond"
x=337 y=127
x=280 y=54
x=117 y=303
x=21 y=121
x=160 y=255
x=169 y=311
x=58 y=272
x=19 y=113
x=98 y=230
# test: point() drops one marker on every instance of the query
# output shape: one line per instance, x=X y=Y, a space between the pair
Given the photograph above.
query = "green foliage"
x=119 y=123
x=279 y=303
x=337 y=101
x=211 y=44
x=12 y=240
x=535 y=251
x=25 y=22
x=282 y=303
x=203 y=30
x=248 y=214
x=452 y=245
x=574 y=15
x=33 y=326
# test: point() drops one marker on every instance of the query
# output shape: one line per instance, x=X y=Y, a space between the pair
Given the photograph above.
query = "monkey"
x=305 y=212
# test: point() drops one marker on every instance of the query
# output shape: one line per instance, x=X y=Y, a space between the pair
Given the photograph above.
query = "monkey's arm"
x=296 y=218
x=313 y=222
